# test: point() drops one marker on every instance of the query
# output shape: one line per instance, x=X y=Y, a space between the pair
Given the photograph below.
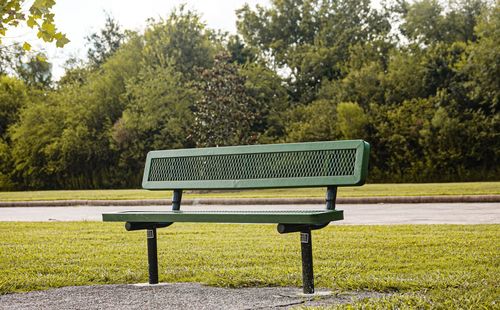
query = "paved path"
x=174 y=296
x=379 y=214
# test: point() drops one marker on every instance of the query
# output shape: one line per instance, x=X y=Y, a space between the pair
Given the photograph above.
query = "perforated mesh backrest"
x=258 y=166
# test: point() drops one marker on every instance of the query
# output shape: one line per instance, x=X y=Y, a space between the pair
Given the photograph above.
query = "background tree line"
x=420 y=81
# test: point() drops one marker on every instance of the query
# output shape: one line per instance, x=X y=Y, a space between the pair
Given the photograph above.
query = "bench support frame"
x=152 y=255
x=306 y=241
x=304 y=229
x=307 y=261
x=151 y=237
x=152 y=245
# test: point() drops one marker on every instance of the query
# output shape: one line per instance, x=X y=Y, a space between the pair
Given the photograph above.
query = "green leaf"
x=62 y=41
x=31 y=22
x=26 y=46
x=41 y=58
x=48 y=27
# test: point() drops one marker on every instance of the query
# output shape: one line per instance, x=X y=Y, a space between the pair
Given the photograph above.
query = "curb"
x=257 y=201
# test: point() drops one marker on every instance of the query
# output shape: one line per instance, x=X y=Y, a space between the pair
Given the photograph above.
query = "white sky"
x=78 y=19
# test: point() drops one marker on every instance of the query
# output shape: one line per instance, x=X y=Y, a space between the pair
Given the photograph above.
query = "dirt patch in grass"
x=178 y=296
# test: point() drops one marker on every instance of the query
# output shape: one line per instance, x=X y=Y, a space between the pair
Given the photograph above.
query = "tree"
x=461 y=145
x=5 y=61
x=404 y=78
x=13 y=97
x=240 y=53
x=34 y=70
x=36 y=146
x=482 y=66
x=62 y=140
x=310 y=39
x=363 y=85
x=39 y=16
x=463 y=18
x=352 y=120
x=76 y=71
x=158 y=116
x=29 y=66
x=225 y=113
x=442 y=72
x=426 y=22
x=266 y=88
x=5 y=167
x=95 y=106
x=421 y=73
x=105 y=43
x=181 y=41
x=396 y=136
x=313 y=122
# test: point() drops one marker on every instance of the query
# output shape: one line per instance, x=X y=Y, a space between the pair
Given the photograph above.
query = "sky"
x=78 y=19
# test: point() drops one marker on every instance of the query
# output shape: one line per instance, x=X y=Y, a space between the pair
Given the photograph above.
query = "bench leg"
x=152 y=255
x=307 y=261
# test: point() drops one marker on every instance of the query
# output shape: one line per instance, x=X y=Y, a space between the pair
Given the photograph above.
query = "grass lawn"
x=425 y=189
x=425 y=266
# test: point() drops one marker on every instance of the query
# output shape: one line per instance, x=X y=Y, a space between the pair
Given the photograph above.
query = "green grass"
x=368 y=190
x=424 y=266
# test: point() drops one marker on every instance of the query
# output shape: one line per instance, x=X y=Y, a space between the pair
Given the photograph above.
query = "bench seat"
x=280 y=217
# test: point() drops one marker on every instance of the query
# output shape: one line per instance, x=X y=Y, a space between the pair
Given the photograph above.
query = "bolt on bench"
x=316 y=164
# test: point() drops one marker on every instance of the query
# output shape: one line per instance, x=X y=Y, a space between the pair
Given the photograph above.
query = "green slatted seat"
x=262 y=217
x=315 y=164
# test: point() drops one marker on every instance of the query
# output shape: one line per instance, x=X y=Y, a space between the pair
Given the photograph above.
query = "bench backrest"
x=312 y=164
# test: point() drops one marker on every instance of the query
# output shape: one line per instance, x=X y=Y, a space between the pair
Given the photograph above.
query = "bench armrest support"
x=176 y=199
x=331 y=196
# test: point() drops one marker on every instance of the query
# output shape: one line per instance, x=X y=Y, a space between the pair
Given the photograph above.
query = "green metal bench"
x=315 y=164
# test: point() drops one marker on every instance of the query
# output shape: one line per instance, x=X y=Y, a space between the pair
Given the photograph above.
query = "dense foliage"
x=420 y=81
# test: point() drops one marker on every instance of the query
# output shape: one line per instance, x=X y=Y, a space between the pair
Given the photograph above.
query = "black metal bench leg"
x=307 y=261
x=152 y=255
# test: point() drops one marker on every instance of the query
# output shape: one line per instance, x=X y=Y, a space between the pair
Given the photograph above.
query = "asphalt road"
x=373 y=214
